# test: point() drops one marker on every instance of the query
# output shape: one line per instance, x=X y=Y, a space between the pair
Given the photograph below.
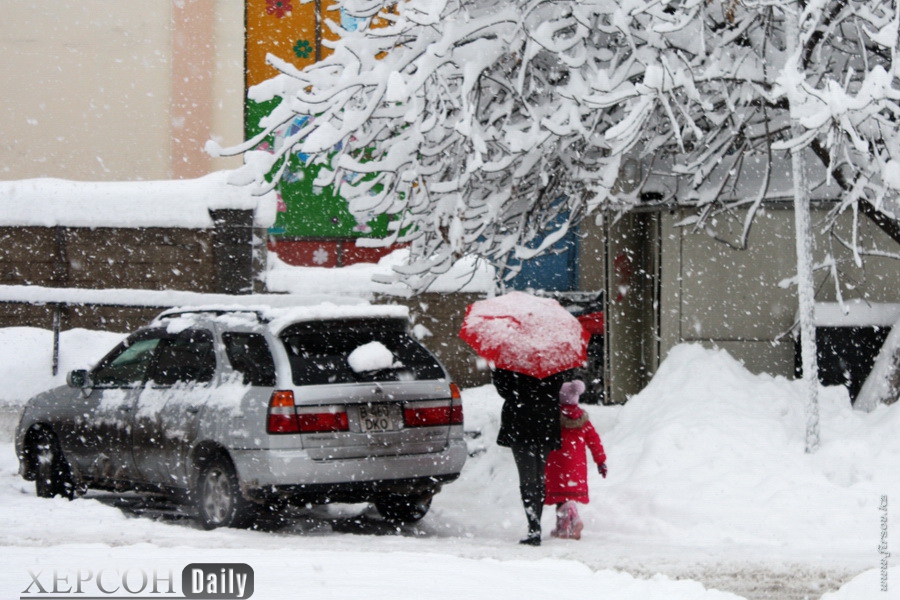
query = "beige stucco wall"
x=717 y=295
x=91 y=89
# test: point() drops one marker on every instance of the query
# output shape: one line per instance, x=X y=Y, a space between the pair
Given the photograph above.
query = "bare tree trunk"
x=805 y=285
x=806 y=295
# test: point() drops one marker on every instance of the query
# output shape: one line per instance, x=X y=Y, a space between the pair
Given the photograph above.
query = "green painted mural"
x=293 y=31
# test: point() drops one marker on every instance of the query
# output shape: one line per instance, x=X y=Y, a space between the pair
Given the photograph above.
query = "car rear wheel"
x=404 y=509
x=53 y=475
x=218 y=496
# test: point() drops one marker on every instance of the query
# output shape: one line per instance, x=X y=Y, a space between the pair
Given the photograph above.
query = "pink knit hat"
x=570 y=391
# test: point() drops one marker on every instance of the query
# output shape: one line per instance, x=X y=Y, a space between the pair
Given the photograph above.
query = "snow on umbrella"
x=523 y=333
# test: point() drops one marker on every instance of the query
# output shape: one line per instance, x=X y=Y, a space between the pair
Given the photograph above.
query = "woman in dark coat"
x=529 y=426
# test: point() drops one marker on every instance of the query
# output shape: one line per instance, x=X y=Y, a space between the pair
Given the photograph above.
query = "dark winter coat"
x=530 y=413
x=565 y=476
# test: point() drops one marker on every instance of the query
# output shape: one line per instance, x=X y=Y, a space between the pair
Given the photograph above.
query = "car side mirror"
x=78 y=378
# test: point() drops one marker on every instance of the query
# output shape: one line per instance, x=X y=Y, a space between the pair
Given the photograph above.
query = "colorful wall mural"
x=313 y=224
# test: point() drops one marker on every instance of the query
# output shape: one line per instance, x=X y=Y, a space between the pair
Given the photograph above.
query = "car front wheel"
x=218 y=496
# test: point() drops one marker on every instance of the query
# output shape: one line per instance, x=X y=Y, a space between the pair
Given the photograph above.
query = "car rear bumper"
x=293 y=469
x=357 y=491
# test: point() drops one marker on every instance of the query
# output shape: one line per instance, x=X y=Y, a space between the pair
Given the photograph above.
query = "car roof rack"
x=215 y=312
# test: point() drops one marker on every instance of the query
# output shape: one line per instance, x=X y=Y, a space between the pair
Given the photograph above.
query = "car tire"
x=404 y=509
x=53 y=475
x=218 y=497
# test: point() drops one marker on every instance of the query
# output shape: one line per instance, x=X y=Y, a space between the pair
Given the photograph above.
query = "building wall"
x=221 y=259
x=106 y=90
x=667 y=285
x=735 y=299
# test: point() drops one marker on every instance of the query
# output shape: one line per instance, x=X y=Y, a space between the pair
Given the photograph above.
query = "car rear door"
x=179 y=385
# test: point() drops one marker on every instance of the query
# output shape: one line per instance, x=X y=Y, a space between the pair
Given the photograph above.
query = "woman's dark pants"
x=530 y=462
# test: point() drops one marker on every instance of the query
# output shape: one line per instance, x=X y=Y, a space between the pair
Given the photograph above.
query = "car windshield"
x=321 y=356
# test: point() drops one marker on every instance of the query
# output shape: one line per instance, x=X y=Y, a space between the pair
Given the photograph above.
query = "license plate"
x=379 y=417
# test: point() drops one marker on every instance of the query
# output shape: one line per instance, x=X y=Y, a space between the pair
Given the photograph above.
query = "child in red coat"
x=566 y=471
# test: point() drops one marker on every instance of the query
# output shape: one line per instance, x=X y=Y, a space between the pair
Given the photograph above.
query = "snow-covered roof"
x=856 y=313
x=34 y=294
x=181 y=203
x=466 y=276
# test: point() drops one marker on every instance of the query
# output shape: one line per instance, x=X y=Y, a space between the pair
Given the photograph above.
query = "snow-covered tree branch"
x=477 y=124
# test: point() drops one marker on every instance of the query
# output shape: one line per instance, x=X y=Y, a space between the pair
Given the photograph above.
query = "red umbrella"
x=523 y=333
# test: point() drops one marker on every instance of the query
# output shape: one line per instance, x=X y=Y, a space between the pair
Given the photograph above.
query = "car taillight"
x=282 y=414
x=456 y=407
x=286 y=417
x=319 y=419
x=430 y=414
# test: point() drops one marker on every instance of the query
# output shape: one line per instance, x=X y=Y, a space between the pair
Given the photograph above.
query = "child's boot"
x=562 y=522
x=573 y=521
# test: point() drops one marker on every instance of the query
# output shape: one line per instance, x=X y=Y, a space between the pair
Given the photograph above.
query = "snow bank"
x=26 y=367
x=711 y=455
x=867 y=586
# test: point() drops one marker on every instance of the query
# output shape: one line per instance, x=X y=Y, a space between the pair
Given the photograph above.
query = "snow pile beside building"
x=711 y=455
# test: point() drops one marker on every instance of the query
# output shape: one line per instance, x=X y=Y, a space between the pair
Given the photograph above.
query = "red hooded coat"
x=566 y=471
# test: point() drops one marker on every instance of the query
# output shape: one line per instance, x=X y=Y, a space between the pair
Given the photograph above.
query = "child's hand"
x=602 y=469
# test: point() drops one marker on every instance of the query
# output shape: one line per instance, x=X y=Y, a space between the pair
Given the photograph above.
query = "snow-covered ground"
x=710 y=495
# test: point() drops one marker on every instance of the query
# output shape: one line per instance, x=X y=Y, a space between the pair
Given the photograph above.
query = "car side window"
x=188 y=357
x=250 y=356
x=127 y=365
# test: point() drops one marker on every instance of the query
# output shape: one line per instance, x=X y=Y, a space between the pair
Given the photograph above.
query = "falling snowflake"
x=278 y=8
x=302 y=49
x=320 y=256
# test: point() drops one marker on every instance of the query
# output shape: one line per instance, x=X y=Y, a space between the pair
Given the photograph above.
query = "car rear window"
x=320 y=355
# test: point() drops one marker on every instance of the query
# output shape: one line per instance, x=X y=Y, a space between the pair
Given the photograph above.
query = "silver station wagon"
x=238 y=411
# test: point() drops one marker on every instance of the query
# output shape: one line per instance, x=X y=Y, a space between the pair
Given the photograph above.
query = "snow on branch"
x=478 y=124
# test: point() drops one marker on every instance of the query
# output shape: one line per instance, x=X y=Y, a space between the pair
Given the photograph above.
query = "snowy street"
x=709 y=495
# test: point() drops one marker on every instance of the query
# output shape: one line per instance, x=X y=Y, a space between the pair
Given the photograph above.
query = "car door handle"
x=192 y=410
x=125 y=407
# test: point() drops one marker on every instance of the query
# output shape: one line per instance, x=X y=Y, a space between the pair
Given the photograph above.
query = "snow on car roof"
x=278 y=318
